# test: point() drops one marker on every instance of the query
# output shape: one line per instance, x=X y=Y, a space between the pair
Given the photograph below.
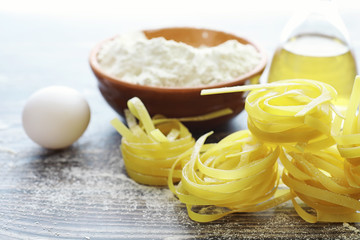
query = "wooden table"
x=83 y=192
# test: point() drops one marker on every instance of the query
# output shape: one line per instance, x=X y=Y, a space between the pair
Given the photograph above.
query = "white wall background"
x=90 y=21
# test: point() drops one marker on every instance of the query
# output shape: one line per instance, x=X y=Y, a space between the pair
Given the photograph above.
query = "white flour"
x=160 y=62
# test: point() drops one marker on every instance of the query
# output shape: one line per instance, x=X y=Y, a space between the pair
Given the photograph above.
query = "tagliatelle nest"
x=150 y=146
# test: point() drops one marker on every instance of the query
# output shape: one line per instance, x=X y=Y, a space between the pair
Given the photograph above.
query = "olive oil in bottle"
x=315 y=45
x=316 y=57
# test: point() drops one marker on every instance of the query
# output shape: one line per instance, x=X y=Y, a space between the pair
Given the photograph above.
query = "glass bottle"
x=315 y=45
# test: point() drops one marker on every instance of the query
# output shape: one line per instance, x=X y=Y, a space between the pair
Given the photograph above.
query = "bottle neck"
x=316 y=17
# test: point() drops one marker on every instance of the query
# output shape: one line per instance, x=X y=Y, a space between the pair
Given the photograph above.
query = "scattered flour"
x=352 y=228
x=7 y=150
x=167 y=63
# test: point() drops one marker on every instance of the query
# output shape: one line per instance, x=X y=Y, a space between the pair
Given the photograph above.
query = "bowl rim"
x=94 y=64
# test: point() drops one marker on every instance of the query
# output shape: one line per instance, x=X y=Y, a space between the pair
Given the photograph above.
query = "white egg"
x=55 y=117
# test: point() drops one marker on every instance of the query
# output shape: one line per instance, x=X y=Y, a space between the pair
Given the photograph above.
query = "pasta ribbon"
x=349 y=139
x=318 y=179
x=238 y=174
x=150 y=146
x=289 y=111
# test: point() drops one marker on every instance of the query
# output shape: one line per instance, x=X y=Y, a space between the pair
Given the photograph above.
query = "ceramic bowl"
x=179 y=101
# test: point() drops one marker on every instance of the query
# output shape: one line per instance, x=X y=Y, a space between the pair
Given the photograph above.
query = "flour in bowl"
x=167 y=63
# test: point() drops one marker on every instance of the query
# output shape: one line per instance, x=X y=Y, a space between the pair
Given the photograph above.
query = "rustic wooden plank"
x=82 y=193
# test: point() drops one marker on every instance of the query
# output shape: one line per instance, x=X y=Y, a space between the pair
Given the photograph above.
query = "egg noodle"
x=348 y=142
x=150 y=146
x=238 y=174
x=296 y=119
x=290 y=120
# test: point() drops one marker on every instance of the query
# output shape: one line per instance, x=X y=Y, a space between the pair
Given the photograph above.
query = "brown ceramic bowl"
x=179 y=102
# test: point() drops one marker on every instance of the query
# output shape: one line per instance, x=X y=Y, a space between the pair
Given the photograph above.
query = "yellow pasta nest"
x=288 y=111
x=239 y=174
x=150 y=146
x=299 y=111
x=318 y=179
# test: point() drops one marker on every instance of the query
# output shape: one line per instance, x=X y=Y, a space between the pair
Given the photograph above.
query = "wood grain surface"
x=83 y=192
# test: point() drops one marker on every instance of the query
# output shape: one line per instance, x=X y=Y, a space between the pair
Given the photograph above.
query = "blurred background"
x=75 y=26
